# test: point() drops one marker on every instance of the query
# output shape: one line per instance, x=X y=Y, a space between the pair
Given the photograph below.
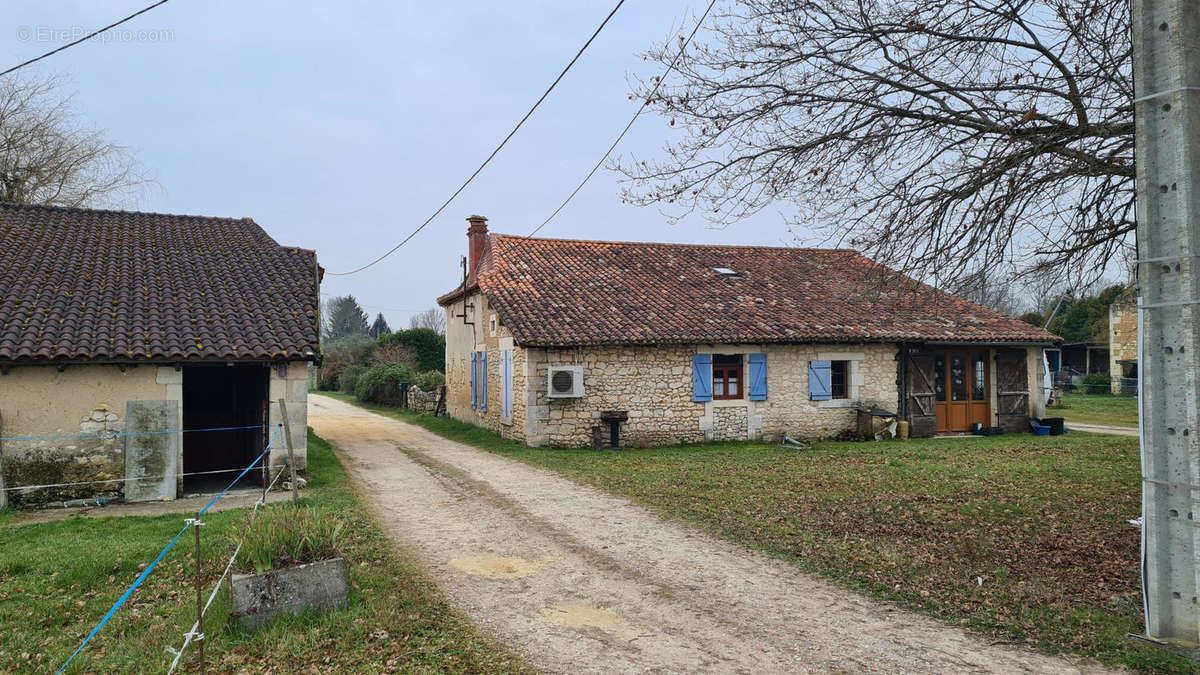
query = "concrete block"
x=259 y=598
x=151 y=460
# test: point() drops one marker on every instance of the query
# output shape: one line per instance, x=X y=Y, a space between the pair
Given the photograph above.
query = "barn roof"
x=96 y=285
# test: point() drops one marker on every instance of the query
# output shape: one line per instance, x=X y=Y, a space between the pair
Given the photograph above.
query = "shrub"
x=284 y=536
x=429 y=346
x=429 y=380
x=1096 y=383
x=349 y=378
x=381 y=383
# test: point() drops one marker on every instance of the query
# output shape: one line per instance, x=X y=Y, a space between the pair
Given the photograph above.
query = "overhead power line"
x=638 y=113
x=85 y=38
x=494 y=152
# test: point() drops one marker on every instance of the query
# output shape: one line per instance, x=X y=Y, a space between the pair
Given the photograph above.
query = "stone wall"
x=654 y=385
x=422 y=401
x=86 y=401
x=289 y=382
x=481 y=330
x=1122 y=339
x=788 y=409
x=90 y=400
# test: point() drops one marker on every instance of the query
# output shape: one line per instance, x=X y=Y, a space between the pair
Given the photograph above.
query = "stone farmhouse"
x=115 y=323
x=567 y=343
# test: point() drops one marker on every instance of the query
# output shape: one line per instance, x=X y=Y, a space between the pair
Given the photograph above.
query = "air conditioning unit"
x=564 y=382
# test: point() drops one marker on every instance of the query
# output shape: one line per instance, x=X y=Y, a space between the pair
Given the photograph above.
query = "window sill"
x=728 y=403
x=837 y=403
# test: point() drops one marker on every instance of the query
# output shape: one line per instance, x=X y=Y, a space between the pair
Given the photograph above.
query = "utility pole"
x=1166 y=72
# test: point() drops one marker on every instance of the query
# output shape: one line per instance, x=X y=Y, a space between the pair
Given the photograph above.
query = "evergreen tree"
x=344 y=317
x=380 y=327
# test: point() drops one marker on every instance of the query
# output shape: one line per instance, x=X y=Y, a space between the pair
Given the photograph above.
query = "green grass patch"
x=58 y=579
x=1021 y=538
x=1121 y=411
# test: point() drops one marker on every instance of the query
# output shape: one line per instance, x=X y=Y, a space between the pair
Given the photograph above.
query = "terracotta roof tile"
x=81 y=284
x=557 y=292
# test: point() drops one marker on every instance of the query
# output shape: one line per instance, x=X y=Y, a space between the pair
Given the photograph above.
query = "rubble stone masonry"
x=653 y=384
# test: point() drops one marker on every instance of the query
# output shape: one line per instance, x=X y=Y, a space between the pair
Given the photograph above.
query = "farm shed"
x=572 y=343
x=116 y=323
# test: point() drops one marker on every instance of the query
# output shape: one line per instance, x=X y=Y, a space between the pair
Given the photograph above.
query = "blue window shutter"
x=483 y=378
x=758 y=377
x=819 y=388
x=474 y=403
x=701 y=377
x=506 y=383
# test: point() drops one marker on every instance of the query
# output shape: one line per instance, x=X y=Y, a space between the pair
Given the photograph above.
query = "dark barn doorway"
x=221 y=396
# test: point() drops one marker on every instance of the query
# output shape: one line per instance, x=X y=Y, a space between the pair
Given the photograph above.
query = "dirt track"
x=581 y=581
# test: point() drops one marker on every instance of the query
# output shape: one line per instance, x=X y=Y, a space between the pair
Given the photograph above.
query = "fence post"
x=287 y=438
x=199 y=637
x=3 y=492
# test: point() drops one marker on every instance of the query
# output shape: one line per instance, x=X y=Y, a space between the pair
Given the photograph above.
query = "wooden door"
x=961 y=389
x=1012 y=395
x=922 y=416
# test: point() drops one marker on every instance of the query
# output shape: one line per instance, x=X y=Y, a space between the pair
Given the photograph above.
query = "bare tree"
x=989 y=289
x=939 y=137
x=433 y=318
x=47 y=157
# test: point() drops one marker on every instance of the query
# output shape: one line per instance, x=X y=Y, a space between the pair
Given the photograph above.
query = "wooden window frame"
x=839 y=390
x=722 y=366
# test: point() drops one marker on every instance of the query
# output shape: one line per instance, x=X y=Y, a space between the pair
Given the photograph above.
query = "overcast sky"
x=340 y=126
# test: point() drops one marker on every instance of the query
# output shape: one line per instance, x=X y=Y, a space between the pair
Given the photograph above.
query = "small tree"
x=380 y=327
x=47 y=157
x=433 y=318
x=344 y=317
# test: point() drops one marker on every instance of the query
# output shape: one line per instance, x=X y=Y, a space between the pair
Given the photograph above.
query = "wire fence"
x=195 y=634
x=108 y=435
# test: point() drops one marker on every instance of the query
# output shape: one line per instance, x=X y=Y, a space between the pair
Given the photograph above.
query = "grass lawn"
x=1121 y=411
x=58 y=579
x=1021 y=538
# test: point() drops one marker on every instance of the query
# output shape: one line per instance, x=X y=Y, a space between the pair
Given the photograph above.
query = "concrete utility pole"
x=1166 y=71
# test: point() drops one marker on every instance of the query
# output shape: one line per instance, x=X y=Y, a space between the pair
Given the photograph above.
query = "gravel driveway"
x=582 y=581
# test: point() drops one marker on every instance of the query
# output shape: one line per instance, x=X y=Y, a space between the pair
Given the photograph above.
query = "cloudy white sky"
x=341 y=126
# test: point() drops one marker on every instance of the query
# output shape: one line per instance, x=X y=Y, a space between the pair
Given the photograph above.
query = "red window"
x=727 y=377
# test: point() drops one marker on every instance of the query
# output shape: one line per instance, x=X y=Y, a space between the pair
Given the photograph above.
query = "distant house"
x=1085 y=358
x=119 y=322
x=1123 y=342
x=572 y=343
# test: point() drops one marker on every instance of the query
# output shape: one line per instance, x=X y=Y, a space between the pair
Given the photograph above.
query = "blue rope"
x=145 y=573
x=244 y=471
x=123 y=435
x=121 y=601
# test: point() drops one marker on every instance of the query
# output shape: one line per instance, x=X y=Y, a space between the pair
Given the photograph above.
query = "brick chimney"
x=477 y=237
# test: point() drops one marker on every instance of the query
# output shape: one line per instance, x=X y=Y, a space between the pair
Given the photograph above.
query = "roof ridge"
x=670 y=244
x=84 y=209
